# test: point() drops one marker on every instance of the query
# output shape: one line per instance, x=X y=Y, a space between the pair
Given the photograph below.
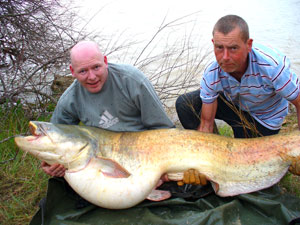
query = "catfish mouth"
x=37 y=131
x=33 y=128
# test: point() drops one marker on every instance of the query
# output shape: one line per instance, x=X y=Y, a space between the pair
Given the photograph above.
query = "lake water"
x=271 y=22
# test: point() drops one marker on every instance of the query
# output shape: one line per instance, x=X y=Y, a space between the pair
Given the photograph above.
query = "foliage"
x=35 y=37
x=22 y=183
x=225 y=130
x=291 y=184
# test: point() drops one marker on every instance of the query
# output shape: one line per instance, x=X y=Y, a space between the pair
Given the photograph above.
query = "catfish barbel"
x=118 y=170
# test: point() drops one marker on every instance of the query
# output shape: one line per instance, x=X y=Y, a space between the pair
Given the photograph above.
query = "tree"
x=35 y=36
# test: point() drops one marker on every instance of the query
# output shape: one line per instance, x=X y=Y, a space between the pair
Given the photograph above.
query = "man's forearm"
x=208 y=113
x=296 y=103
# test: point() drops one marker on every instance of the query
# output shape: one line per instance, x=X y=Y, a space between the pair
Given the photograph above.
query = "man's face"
x=89 y=67
x=232 y=52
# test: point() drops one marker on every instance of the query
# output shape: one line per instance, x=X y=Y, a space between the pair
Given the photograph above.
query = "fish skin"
x=118 y=170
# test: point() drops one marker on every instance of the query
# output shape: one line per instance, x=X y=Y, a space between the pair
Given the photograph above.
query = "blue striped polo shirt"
x=265 y=88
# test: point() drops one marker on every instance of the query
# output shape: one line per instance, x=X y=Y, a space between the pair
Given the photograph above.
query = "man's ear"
x=72 y=70
x=249 y=44
x=105 y=59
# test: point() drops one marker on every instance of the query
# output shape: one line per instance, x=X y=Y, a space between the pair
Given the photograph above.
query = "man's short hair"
x=228 y=23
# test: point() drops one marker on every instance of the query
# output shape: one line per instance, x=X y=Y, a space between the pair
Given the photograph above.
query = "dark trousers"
x=188 y=107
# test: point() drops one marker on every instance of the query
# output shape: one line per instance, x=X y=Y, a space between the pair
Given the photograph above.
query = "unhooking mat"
x=269 y=206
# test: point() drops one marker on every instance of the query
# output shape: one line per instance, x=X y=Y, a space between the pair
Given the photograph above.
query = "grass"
x=23 y=184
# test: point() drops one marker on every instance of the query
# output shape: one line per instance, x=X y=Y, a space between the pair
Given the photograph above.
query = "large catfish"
x=118 y=170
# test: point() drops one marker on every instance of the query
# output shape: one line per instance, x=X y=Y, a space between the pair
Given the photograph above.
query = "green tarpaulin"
x=269 y=206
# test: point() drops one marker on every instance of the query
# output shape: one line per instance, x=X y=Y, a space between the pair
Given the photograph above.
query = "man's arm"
x=208 y=113
x=296 y=103
x=153 y=115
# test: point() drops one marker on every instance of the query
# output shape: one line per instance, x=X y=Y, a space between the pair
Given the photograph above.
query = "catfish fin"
x=110 y=168
x=158 y=195
x=215 y=186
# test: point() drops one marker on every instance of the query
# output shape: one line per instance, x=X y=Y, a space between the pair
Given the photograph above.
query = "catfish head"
x=71 y=146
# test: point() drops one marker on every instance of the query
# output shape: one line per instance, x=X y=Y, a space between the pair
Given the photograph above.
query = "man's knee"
x=188 y=102
x=185 y=105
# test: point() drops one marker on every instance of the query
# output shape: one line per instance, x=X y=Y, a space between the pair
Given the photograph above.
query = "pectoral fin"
x=110 y=168
x=158 y=195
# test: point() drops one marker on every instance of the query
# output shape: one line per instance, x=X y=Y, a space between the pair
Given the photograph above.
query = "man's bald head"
x=82 y=48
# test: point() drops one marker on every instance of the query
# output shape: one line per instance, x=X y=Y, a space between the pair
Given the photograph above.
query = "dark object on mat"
x=187 y=191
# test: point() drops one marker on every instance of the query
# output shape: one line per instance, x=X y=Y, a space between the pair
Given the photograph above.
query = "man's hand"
x=55 y=170
x=192 y=176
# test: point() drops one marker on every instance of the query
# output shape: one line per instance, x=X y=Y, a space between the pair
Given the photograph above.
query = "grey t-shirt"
x=126 y=102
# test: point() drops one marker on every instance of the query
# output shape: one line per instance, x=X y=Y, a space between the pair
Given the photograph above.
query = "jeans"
x=188 y=107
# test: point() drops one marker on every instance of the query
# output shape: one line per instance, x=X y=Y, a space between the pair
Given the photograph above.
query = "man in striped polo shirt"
x=248 y=85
